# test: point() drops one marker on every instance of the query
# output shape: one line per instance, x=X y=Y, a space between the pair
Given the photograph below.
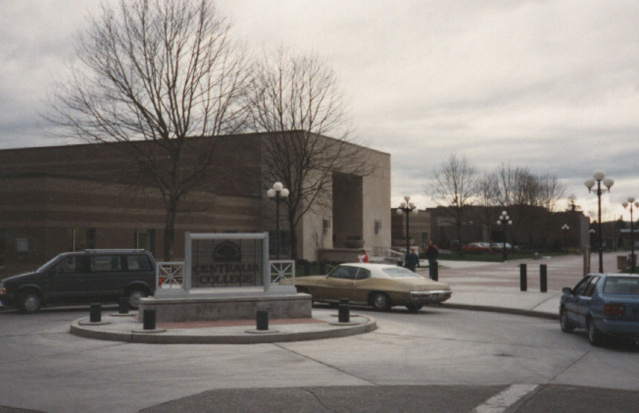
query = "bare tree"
x=518 y=186
x=456 y=187
x=153 y=74
x=487 y=191
x=297 y=100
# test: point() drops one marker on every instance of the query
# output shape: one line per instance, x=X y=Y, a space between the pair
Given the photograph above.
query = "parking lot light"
x=504 y=220
x=599 y=176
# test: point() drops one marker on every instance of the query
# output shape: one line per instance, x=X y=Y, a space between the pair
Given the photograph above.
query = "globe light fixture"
x=599 y=177
x=407 y=208
x=631 y=202
x=504 y=220
x=277 y=192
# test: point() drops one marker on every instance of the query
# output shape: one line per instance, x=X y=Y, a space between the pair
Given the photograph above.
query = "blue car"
x=603 y=304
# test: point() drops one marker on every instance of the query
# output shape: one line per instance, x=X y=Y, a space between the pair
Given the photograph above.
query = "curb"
x=505 y=310
x=127 y=332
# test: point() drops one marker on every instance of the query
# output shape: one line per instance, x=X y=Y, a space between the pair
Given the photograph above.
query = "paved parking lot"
x=439 y=359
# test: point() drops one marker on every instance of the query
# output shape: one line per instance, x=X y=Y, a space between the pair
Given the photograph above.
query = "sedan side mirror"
x=567 y=290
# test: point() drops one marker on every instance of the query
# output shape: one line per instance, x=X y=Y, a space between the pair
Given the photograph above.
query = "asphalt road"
x=436 y=360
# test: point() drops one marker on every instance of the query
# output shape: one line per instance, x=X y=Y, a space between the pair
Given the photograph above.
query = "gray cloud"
x=548 y=85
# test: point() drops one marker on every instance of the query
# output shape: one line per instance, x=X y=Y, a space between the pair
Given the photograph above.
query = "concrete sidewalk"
x=497 y=286
x=476 y=286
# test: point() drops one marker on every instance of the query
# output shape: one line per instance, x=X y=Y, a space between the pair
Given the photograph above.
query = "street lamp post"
x=590 y=183
x=278 y=192
x=504 y=220
x=630 y=204
x=565 y=229
x=407 y=208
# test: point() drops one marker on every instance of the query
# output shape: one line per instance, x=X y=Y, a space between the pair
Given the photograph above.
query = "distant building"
x=531 y=228
x=65 y=198
x=419 y=230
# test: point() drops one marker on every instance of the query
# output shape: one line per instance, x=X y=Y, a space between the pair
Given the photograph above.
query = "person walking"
x=431 y=253
x=412 y=260
x=362 y=257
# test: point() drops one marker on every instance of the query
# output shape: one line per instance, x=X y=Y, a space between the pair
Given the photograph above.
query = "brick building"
x=65 y=198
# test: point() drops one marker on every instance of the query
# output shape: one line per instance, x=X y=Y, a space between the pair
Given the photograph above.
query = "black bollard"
x=149 y=319
x=95 y=313
x=344 y=311
x=262 y=320
x=435 y=271
x=523 y=280
x=543 y=278
x=123 y=305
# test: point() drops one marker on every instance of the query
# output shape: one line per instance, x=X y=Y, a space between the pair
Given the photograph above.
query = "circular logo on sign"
x=227 y=252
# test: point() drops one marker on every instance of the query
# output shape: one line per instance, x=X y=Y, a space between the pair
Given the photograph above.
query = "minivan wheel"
x=135 y=295
x=30 y=302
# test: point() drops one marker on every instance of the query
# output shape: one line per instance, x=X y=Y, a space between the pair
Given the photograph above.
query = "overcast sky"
x=548 y=85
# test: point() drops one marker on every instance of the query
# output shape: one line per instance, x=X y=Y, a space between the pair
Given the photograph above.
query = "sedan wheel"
x=594 y=336
x=413 y=308
x=30 y=302
x=381 y=302
x=566 y=326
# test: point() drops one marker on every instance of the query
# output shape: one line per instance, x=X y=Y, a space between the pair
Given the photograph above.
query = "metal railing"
x=282 y=272
x=169 y=275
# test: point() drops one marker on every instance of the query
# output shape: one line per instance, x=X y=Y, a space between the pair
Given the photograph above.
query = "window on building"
x=81 y=239
x=144 y=239
x=2 y=246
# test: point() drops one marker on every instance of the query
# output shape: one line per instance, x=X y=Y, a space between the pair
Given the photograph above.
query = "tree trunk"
x=292 y=238
x=169 y=228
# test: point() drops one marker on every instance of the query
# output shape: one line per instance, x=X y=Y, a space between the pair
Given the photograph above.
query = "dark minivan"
x=80 y=277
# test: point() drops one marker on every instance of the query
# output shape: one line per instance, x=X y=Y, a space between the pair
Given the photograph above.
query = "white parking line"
x=500 y=402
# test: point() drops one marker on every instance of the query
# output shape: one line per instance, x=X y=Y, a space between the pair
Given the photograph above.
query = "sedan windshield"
x=399 y=272
x=622 y=285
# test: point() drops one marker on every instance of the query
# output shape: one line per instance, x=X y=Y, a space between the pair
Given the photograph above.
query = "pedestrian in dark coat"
x=431 y=253
x=412 y=261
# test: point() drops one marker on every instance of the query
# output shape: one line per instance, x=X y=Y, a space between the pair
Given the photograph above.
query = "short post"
x=523 y=281
x=123 y=305
x=307 y=268
x=435 y=271
x=343 y=311
x=543 y=278
x=149 y=319
x=95 y=313
x=261 y=318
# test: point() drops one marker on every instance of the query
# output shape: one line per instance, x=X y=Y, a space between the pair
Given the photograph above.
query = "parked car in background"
x=80 y=277
x=603 y=304
x=499 y=246
x=476 y=247
x=378 y=285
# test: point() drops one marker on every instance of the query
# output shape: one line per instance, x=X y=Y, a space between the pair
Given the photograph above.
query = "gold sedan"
x=378 y=285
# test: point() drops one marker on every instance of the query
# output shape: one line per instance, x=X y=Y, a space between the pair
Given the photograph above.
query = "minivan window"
x=138 y=263
x=105 y=263
x=70 y=265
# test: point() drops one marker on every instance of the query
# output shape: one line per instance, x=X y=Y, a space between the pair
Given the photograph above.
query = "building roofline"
x=255 y=134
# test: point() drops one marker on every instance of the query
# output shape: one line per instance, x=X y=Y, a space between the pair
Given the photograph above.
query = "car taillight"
x=613 y=310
